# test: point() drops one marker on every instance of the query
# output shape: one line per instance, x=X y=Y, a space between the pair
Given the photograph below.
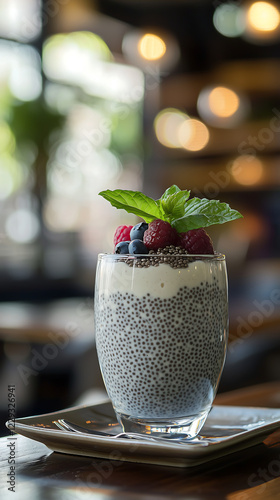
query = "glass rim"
x=117 y=256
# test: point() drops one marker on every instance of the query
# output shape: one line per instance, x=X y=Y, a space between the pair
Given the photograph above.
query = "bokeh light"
x=247 y=170
x=74 y=55
x=149 y=51
x=112 y=81
x=6 y=183
x=263 y=16
x=193 y=135
x=60 y=97
x=222 y=107
x=7 y=138
x=151 y=47
x=28 y=87
x=11 y=175
x=228 y=20
x=62 y=214
x=223 y=102
x=20 y=19
x=84 y=60
x=22 y=226
x=166 y=126
x=20 y=70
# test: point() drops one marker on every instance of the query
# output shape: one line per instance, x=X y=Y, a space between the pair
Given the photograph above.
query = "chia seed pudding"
x=161 y=333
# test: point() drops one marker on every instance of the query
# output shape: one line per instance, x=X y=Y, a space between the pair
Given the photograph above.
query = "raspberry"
x=122 y=233
x=160 y=234
x=197 y=241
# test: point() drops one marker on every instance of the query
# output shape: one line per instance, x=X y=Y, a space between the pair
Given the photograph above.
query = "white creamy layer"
x=162 y=281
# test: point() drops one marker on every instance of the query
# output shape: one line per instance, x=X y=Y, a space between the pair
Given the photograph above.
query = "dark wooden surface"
x=250 y=474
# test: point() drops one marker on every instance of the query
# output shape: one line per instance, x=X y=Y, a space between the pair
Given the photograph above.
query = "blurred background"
x=135 y=95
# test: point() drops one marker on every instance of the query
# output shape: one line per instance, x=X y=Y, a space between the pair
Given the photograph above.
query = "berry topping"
x=137 y=232
x=122 y=233
x=197 y=241
x=160 y=234
x=137 y=247
x=173 y=214
x=122 y=247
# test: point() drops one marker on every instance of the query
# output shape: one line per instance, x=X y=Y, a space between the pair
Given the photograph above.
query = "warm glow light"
x=167 y=124
x=151 y=47
x=193 y=135
x=140 y=49
x=247 y=170
x=222 y=107
x=223 y=102
x=263 y=16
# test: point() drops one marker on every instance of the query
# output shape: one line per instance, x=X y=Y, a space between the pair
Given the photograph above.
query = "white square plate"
x=227 y=429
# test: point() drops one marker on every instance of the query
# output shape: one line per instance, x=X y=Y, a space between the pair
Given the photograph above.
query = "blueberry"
x=137 y=232
x=137 y=247
x=122 y=247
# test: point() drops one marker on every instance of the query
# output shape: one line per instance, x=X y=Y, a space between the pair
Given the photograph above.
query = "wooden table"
x=253 y=474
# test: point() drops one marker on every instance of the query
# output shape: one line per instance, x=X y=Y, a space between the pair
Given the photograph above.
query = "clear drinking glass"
x=161 y=327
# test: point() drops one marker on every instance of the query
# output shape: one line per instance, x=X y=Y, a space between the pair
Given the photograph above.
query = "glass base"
x=176 y=428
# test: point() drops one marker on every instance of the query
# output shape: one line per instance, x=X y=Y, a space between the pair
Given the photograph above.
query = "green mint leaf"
x=134 y=202
x=214 y=212
x=173 y=203
x=174 y=206
x=171 y=190
x=217 y=212
x=188 y=222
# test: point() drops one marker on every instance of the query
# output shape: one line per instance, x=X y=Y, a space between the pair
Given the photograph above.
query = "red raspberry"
x=160 y=234
x=197 y=241
x=122 y=233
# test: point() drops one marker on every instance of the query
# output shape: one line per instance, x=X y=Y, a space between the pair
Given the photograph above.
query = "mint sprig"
x=134 y=202
x=173 y=203
x=204 y=213
x=174 y=206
